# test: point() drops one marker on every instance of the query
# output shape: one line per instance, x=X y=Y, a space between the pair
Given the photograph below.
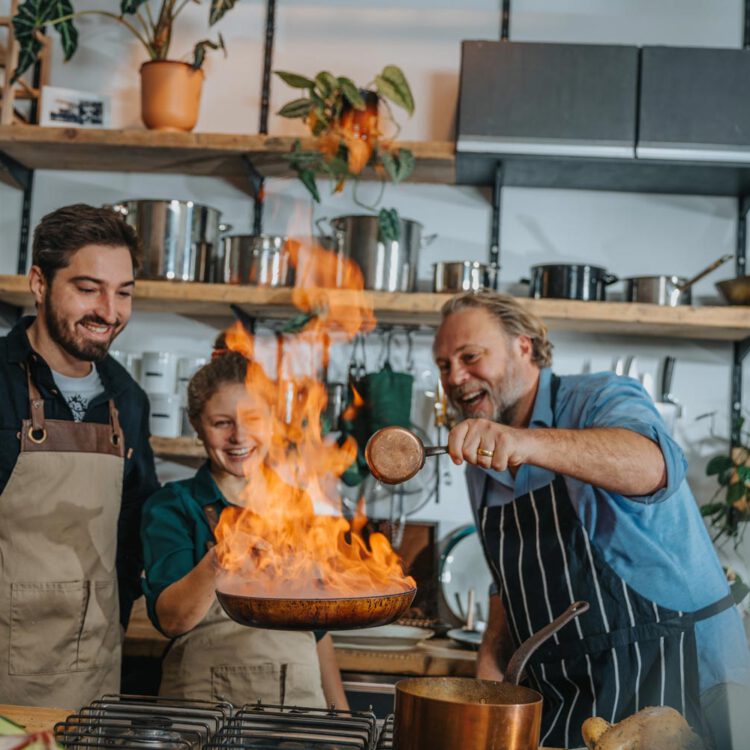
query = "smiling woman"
x=213 y=657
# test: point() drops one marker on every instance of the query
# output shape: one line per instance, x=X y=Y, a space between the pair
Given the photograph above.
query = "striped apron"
x=625 y=653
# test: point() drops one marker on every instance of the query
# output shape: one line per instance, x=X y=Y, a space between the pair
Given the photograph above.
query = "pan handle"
x=707 y=270
x=530 y=645
x=609 y=278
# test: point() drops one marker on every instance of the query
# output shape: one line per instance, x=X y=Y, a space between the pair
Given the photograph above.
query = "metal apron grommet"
x=39 y=440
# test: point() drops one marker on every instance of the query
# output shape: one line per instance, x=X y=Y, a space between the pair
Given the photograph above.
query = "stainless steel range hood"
x=546 y=100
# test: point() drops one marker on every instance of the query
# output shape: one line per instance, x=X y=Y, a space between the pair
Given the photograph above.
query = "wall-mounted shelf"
x=422 y=308
x=179 y=447
x=214 y=154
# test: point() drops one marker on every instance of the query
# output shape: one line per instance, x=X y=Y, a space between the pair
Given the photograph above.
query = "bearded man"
x=75 y=467
x=579 y=493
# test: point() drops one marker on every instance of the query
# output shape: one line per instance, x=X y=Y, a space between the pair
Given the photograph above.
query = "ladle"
x=395 y=454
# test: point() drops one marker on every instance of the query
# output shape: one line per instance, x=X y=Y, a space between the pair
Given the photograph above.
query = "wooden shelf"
x=213 y=154
x=420 y=308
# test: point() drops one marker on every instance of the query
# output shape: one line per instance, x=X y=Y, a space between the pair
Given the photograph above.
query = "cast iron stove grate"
x=143 y=723
x=151 y=723
x=385 y=742
x=264 y=727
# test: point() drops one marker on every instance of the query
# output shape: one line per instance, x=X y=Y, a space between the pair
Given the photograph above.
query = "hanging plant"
x=729 y=508
x=345 y=122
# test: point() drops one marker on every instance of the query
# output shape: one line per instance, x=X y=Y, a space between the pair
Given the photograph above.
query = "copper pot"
x=447 y=713
x=344 y=613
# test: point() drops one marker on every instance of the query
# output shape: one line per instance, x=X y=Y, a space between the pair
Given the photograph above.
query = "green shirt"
x=176 y=534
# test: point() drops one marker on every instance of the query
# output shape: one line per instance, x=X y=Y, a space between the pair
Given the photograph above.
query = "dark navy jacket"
x=139 y=480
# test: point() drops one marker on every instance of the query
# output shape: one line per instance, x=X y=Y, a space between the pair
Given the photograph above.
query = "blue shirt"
x=658 y=544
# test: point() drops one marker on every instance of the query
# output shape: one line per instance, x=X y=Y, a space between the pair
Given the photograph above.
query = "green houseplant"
x=345 y=123
x=176 y=84
x=729 y=508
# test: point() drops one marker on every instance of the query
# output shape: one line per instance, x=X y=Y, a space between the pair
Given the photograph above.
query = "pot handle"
x=530 y=645
x=524 y=280
x=319 y=225
x=428 y=239
x=609 y=278
x=119 y=208
x=707 y=270
x=224 y=228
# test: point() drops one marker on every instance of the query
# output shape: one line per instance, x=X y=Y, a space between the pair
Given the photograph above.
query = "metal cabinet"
x=694 y=104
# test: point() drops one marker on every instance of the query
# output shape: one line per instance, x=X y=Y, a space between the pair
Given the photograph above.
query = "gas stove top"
x=149 y=723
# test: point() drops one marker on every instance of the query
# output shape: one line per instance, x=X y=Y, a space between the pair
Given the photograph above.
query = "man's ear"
x=37 y=284
x=525 y=345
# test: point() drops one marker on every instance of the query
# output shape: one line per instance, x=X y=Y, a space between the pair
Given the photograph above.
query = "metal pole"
x=739 y=348
x=265 y=98
x=746 y=26
x=505 y=21
x=497 y=197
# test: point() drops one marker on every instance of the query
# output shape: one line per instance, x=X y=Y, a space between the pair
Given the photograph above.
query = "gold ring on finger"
x=485 y=452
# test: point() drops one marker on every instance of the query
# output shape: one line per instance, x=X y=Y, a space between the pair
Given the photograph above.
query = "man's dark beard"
x=88 y=351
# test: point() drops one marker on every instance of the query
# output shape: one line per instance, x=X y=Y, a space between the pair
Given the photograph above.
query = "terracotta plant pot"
x=170 y=95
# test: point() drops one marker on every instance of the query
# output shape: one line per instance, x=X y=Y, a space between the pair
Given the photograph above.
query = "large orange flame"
x=289 y=538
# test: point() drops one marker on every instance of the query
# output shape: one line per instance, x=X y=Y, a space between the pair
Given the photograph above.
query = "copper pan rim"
x=518 y=695
x=343 y=599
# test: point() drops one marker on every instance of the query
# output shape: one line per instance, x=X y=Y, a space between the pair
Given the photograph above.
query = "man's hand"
x=488 y=444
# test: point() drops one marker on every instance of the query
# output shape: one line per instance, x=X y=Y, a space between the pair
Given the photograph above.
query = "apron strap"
x=114 y=420
x=712 y=609
x=36 y=410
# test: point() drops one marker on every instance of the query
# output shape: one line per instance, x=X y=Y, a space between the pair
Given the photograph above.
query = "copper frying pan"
x=395 y=454
x=345 y=613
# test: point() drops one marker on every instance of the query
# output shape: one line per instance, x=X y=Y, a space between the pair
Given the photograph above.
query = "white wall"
x=629 y=234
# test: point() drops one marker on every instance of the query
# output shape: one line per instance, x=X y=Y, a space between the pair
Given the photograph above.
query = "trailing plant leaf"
x=392 y=84
x=351 y=92
x=711 y=509
x=307 y=177
x=389 y=164
x=296 y=108
x=129 y=7
x=199 y=52
x=718 y=464
x=735 y=492
x=327 y=83
x=33 y=16
x=406 y=162
x=389 y=228
x=218 y=9
x=294 y=80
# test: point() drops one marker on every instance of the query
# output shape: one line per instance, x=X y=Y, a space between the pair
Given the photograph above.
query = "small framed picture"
x=70 y=108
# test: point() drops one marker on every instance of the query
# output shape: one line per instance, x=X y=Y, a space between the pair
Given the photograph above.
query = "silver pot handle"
x=119 y=208
x=224 y=228
x=609 y=278
x=319 y=225
x=428 y=239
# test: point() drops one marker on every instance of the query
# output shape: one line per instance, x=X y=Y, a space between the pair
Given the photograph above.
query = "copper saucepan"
x=344 y=613
x=447 y=713
x=395 y=454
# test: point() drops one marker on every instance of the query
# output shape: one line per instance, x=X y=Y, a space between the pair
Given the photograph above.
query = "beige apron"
x=59 y=612
x=222 y=660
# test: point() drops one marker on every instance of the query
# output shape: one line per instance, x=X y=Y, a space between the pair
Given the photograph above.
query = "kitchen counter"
x=436 y=658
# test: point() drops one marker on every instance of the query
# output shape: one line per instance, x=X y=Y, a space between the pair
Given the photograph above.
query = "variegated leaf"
x=218 y=9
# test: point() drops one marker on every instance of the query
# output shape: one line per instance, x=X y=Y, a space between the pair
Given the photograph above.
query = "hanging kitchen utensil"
x=669 y=291
x=342 y=613
x=445 y=713
x=395 y=454
x=354 y=420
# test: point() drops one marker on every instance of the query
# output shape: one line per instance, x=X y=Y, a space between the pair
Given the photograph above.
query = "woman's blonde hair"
x=514 y=319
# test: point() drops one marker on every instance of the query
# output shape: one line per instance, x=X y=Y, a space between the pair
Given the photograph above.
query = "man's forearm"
x=615 y=459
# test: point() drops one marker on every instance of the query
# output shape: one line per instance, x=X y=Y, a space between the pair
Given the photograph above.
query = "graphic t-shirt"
x=79 y=392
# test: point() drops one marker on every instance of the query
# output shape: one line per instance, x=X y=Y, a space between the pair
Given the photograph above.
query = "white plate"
x=463 y=567
x=403 y=636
